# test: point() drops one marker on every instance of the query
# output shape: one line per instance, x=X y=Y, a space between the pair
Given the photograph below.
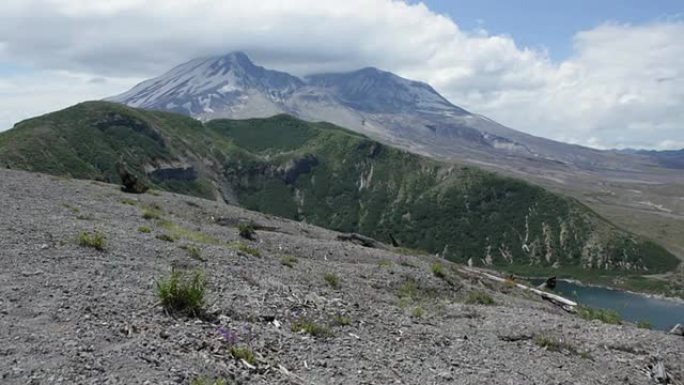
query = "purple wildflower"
x=229 y=336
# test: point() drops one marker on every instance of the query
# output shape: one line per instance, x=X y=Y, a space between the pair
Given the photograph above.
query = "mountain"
x=371 y=101
x=226 y=86
x=635 y=190
x=332 y=177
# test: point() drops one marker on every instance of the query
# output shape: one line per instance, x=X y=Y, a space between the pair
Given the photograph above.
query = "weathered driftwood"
x=657 y=371
x=362 y=240
x=678 y=330
x=234 y=222
x=563 y=302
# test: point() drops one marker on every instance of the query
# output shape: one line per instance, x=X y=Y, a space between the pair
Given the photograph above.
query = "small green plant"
x=193 y=251
x=438 y=270
x=406 y=263
x=152 y=212
x=247 y=231
x=245 y=249
x=341 y=320
x=145 y=229
x=73 y=208
x=289 y=261
x=182 y=292
x=85 y=217
x=644 y=325
x=166 y=237
x=208 y=381
x=408 y=289
x=129 y=201
x=96 y=240
x=309 y=326
x=558 y=344
x=332 y=279
x=603 y=315
x=418 y=312
x=479 y=297
x=385 y=263
x=243 y=353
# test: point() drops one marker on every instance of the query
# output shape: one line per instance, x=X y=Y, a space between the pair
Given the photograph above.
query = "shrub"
x=438 y=270
x=96 y=240
x=479 y=297
x=418 y=312
x=247 y=231
x=603 y=315
x=644 y=325
x=182 y=293
x=243 y=353
x=311 y=327
x=332 y=279
x=289 y=260
x=145 y=229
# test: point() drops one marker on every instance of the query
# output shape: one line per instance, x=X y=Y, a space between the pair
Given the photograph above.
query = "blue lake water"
x=662 y=314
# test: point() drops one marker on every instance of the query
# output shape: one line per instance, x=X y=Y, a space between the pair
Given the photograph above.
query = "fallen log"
x=557 y=300
x=362 y=240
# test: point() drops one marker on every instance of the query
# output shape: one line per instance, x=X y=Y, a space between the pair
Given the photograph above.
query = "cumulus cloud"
x=621 y=87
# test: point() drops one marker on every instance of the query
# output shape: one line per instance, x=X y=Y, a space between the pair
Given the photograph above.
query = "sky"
x=605 y=74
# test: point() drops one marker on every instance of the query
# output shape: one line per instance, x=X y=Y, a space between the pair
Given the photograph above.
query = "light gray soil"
x=74 y=315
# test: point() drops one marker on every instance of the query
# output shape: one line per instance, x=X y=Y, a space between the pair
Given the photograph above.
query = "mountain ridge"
x=329 y=176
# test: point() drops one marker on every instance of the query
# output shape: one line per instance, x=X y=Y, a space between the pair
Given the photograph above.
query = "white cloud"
x=621 y=87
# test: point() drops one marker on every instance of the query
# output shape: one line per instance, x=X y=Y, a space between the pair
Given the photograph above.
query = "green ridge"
x=332 y=177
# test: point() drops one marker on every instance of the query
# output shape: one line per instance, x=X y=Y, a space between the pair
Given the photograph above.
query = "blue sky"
x=601 y=73
x=551 y=24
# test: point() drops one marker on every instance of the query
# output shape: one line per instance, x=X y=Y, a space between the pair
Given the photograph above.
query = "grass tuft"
x=289 y=261
x=243 y=353
x=183 y=293
x=95 y=240
x=166 y=237
x=479 y=297
x=145 y=229
x=208 y=381
x=341 y=320
x=644 y=325
x=438 y=270
x=151 y=213
x=309 y=326
x=129 y=201
x=194 y=252
x=332 y=279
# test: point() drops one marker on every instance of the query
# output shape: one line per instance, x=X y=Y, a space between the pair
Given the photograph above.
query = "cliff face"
x=331 y=177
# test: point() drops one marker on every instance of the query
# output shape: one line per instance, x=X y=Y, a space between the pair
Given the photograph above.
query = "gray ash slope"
x=70 y=314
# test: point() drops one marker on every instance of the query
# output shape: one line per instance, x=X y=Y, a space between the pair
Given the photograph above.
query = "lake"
x=662 y=314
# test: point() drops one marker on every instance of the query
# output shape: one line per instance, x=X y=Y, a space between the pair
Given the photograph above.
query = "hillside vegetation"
x=329 y=176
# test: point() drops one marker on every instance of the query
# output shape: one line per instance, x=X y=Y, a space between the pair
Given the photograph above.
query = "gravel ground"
x=75 y=315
